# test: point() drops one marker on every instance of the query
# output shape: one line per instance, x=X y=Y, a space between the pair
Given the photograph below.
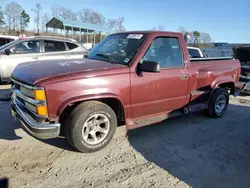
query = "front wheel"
x=90 y=126
x=218 y=104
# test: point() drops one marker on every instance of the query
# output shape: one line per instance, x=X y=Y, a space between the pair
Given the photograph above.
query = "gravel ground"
x=191 y=151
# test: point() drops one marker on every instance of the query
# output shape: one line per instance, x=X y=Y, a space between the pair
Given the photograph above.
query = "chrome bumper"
x=38 y=130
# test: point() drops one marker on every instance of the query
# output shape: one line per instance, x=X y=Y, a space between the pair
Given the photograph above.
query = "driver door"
x=156 y=93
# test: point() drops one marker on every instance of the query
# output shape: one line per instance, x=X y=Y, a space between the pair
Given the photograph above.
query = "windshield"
x=118 y=48
x=8 y=44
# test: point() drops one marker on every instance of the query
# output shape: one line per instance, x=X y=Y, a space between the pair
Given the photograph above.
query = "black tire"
x=75 y=122
x=211 y=111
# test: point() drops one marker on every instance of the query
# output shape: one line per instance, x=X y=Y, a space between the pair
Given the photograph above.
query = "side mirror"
x=9 y=51
x=149 y=66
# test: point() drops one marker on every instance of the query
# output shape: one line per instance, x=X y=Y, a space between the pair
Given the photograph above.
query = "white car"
x=37 y=48
x=4 y=39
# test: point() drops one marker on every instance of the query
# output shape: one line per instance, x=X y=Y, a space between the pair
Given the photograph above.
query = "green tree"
x=25 y=20
x=196 y=36
x=2 y=22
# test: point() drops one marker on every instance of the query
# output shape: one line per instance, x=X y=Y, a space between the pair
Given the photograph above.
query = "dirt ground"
x=191 y=151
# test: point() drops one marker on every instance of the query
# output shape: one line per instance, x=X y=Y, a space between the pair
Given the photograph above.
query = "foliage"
x=25 y=19
x=67 y=13
x=196 y=35
x=182 y=30
x=2 y=22
x=37 y=11
x=45 y=20
x=197 y=38
x=88 y=15
x=13 y=13
x=116 y=24
x=55 y=10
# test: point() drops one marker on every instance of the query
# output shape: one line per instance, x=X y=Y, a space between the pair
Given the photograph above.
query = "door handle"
x=36 y=58
x=184 y=76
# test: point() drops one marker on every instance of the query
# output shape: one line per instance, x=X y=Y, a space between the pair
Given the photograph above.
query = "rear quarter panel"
x=213 y=73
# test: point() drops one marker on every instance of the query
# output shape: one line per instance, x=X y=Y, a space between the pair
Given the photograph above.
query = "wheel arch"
x=230 y=86
x=111 y=100
x=226 y=82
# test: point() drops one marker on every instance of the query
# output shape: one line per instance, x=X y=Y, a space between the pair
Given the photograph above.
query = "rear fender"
x=85 y=98
x=223 y=81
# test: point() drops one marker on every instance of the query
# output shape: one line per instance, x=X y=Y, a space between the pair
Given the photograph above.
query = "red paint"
x=141 y=96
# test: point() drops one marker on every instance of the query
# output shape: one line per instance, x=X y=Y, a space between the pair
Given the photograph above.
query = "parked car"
x=5 y=39
x=86 y=99
x=37 y=48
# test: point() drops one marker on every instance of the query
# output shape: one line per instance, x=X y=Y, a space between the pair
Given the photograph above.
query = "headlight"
x=37 y=94
x=27 y=92
x=34 y=94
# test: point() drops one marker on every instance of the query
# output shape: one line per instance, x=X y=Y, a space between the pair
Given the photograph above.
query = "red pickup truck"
x=132 y=78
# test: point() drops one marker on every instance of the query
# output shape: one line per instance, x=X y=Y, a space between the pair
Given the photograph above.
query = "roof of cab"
x=148 y=32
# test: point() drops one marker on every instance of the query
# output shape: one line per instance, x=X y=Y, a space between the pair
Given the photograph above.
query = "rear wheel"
x=90 y=126
x=218 y=104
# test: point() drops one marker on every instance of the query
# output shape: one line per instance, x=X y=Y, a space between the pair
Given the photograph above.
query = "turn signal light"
x=39 y=94
x=42 y=110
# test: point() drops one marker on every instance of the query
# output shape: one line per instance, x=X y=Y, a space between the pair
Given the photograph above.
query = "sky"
x=224 y=20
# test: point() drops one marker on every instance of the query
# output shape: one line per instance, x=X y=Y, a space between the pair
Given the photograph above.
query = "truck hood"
x=30 y=72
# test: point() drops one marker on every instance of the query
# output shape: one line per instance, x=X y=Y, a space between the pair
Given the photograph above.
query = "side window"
x=54 y=46
x=26 y=47
x=71 y=46
x=2 y=42
x=166 y=51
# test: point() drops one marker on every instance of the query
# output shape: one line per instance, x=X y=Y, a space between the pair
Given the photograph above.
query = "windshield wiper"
x=108 y=58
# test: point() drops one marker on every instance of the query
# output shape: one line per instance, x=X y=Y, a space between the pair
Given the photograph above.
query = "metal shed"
x=74 y=25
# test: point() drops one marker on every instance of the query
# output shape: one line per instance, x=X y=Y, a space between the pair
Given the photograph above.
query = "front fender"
x=85 y=98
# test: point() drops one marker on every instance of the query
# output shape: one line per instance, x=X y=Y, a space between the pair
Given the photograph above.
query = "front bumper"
x=38 y=130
